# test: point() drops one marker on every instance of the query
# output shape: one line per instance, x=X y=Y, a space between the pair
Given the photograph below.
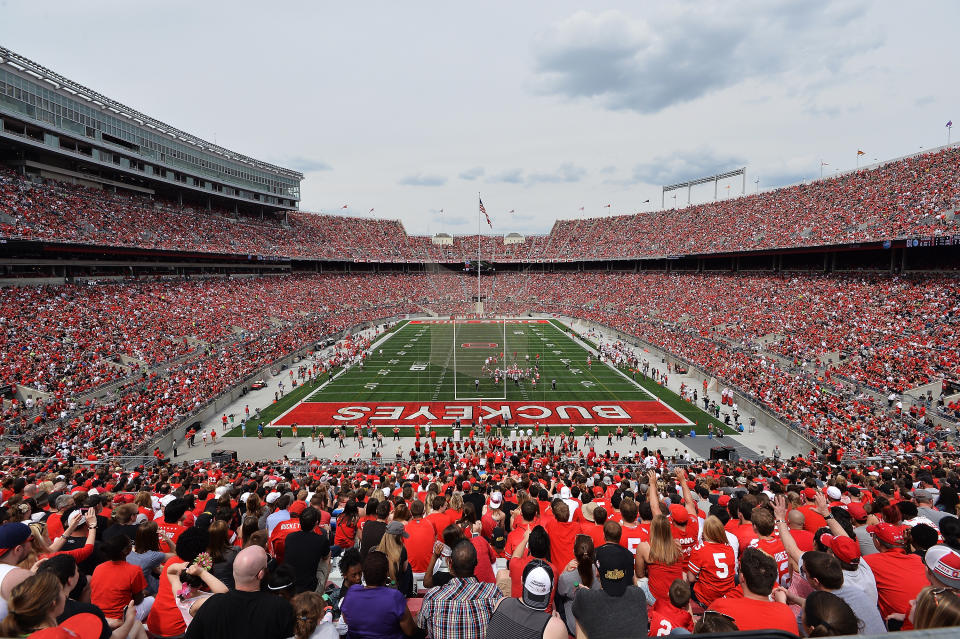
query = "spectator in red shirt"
x=712 y=564
x=594 y=518
x=536 y=544
x=899 y=575
x=529 y=515
x=813 y=521
x=562 y=535
x=754 y=610
x=421 y=538
x=671 y=612
x=116 y=582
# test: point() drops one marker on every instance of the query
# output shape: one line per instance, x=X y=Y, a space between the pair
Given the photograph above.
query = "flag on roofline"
x=345 y=206
x=512 y=211
x=859 y=152
x=581 y=208
x=484 y=211
x=371 y=210
x=607 y=206
x=949 y=123
x=441 y=210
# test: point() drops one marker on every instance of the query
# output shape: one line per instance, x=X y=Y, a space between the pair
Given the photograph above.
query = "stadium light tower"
x=757 y=182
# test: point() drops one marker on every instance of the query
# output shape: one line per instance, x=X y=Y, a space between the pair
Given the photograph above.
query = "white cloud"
x=649 y=64
x=420 y=179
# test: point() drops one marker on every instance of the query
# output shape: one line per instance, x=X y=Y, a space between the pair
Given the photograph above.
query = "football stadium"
x=233 y=405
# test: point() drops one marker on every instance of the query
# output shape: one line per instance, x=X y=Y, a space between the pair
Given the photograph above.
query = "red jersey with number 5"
x=714 y=567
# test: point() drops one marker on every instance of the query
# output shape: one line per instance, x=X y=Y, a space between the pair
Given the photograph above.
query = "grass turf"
x=422 y=362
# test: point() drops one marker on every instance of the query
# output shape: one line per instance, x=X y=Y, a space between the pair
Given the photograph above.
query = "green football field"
x=434 y=371
x=443 y=362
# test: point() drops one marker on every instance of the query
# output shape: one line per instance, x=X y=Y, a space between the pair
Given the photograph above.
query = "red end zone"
x=444 y=413
x=533 y=321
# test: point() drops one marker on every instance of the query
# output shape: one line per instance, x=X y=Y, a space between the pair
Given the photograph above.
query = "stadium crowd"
x=909 y=197
x=481 y=540
x=808 y=348
x=196 y=339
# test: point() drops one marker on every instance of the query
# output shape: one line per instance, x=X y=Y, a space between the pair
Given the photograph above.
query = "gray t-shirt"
x=933 y=515
x=865 y=541
x=604 y=617
x=862 y=578
x=865 y=610
x=567 y=592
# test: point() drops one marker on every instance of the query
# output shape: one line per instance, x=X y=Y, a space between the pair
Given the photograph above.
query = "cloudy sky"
x=543 y=106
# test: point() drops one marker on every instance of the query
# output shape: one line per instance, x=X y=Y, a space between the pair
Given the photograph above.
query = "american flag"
x=484 y=211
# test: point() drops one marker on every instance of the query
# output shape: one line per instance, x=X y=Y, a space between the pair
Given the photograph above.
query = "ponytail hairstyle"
x=586 y=555
x=307 y=613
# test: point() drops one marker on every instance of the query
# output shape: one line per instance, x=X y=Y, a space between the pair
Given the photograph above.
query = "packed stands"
x=914 y=196
x=882 y=538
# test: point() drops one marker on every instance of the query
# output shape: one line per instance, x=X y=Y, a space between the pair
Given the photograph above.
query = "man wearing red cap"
x=900 y=576
x=813 y=521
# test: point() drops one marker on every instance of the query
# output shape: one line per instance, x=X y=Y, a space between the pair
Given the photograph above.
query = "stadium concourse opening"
x=517 y=372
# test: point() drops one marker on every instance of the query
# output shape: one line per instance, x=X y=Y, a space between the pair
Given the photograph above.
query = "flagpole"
x=479 y=200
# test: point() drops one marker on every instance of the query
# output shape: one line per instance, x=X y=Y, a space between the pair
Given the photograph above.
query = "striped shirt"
x=459 y=610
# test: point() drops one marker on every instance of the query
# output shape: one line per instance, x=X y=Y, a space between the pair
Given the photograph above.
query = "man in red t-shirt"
x=532 y=546
x=594 y=517
x=900 y=576
x=753 y=610
x=768 y=542
x=419 y=544
x=562 y=535
x=813 y=521
x=632 y=532
x=280 y=531
x=529 y=519
x=438 y=516
x=116 y=582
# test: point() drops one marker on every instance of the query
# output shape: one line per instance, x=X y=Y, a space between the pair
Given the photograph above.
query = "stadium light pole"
x=757 y=182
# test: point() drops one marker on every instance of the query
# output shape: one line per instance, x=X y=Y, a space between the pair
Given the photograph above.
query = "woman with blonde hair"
x=398 y=570
x=34 y=603
x=936 y=608
x=455 y=507
x=712 y=564
x=44 y=548
x=309 y=612
x=660 y=559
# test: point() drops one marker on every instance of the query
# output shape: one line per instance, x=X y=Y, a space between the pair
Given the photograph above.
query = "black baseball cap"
x=616 y=565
